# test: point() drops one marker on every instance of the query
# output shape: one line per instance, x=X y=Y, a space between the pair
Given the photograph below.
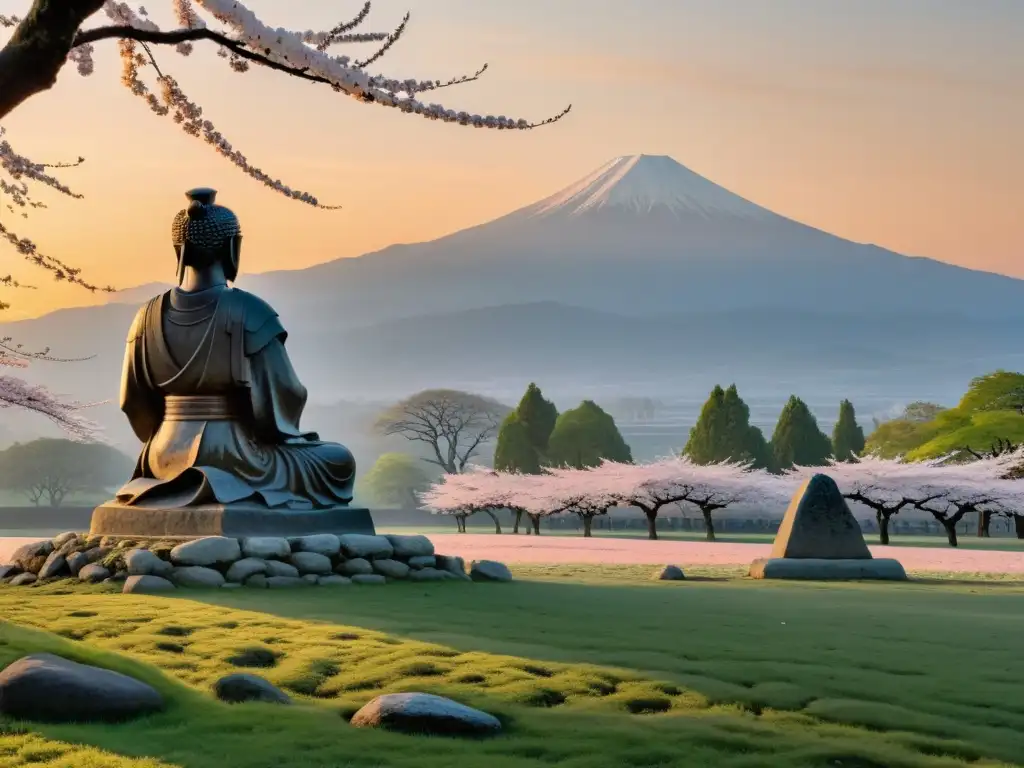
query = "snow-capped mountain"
x=642 y=184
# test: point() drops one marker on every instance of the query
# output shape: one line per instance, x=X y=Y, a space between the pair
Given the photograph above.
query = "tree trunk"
x=1018 y=524
x=460 y=522
x=588 y=521
x=652 y=527
x=535 y=520
x=494 y=517
x=883 y=527
x=519 y=517
x=709 y=525
x=39 y=47
x=984 y=524
x=950 y=532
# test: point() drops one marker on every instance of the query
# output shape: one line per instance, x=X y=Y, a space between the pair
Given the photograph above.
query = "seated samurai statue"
x=210 y=391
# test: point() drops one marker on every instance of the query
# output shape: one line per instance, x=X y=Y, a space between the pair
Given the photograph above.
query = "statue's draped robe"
x=228 y=346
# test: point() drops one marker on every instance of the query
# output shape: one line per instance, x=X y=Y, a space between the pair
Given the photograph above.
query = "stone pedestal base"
x=234 y=520
x=811 y=569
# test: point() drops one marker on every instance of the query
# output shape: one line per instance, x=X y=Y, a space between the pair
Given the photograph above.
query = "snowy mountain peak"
x=643 y=183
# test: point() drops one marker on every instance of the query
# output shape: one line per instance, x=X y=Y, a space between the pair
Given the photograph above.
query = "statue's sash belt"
x=201 y=408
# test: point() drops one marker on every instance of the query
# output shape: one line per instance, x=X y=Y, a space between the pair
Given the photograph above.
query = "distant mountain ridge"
x=643 y=278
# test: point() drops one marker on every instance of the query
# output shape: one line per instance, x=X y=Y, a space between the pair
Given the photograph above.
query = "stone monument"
x=209 y=390
x=820 y=539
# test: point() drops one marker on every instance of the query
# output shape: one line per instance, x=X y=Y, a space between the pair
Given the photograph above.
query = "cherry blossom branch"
x=15 y=393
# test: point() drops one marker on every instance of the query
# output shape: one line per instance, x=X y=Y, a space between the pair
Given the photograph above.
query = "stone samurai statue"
x=210 y=391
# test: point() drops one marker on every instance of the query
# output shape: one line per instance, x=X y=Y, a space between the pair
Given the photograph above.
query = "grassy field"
x=587 y=667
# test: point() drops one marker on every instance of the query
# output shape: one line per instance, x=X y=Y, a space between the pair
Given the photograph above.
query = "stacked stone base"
x=256 y=562
x=816 y=569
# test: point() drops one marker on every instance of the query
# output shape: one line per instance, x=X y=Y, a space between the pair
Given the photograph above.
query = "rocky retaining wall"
x=258 y=563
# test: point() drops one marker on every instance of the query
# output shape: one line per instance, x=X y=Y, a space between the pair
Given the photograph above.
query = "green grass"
x=573 y=659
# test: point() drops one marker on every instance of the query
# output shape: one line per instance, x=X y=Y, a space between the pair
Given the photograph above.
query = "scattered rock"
x=285 y=582
x=142 y=562
x=393 y=569
x=363 y=545
x=368 y=578
x=197 y=576
x=670 y=573
x=95 y=554
x=311 y=562
x=207 y=551
x=62 y=539
x=76 y=562
x=450 y=563
x=411 y=546
x=423 y=561
x=322 y=544
x=8 y=571
x=143 y=584
x=53 y=567
x=93 y=573
x=23 y=579
x=429 y=574
x=48 y=688
x=333 y=581
x=425 y=713
x=258 y=581
x=277 y=568
x=489 y=570
x=241 y=687
x=68 y=547
x=355 y=567
x=265 y=548
x=244 y=568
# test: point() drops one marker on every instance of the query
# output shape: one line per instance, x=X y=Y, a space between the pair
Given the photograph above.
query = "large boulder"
x=410 y=546
x=321 y=544
x=244 y=568
x=8 y=571
x=93 y=573
x=333 y=581
x=60 y=540
x=32 y=554
x=197 y=576
x=450 y=563
x=48 y=688
x=425 y=713
x=55 y=565
x=142 y=562
x=489 y=570
x=311 y=562
x=431 y=574
x=393 y=569
x=355 y=567
x=265 y=548
x=277 y=568
x=141 y=585
x=23 y=579
x=369 y=579
x=422 y=561
x=242 y=687
x=818 y=524
x=210 y=550
x=363 y=545
x=77 y=561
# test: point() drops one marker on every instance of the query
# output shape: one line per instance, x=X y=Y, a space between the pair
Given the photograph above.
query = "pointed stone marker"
x=821 y=540
x=819 y=524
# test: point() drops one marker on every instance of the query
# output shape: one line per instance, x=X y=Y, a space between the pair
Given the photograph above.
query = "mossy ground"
x=587 y=667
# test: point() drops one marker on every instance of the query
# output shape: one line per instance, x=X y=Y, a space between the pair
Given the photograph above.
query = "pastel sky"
x=897 y=122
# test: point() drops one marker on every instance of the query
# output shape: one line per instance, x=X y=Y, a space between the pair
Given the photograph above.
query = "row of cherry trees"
x=946 y=489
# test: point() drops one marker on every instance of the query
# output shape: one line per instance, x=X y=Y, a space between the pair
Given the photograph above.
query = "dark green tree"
x=514 y=451
x=723 y=432
x=48 y=470
x=585 y=435
x=847 y=436
x=797 y=439
x=538 y=416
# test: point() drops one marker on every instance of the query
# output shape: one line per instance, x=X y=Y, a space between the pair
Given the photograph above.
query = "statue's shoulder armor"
x=138 y=329
x=260 y=323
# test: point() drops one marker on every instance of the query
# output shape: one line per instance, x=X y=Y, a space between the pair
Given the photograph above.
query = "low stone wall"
x=222 y=562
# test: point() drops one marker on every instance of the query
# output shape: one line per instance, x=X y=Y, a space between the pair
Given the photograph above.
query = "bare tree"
x=452 y=424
